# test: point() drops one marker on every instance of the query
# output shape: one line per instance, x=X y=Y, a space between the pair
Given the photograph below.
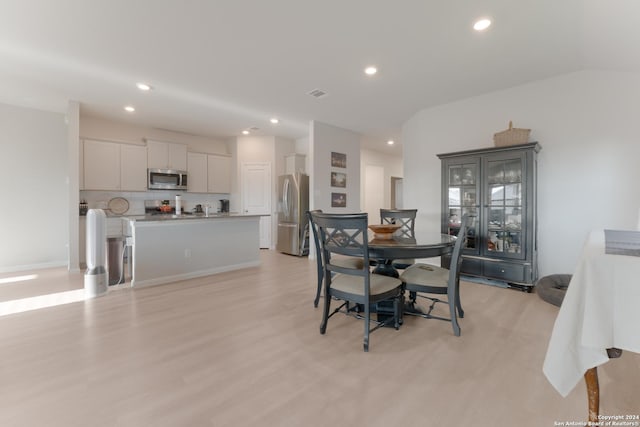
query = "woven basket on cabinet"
x=511 y=136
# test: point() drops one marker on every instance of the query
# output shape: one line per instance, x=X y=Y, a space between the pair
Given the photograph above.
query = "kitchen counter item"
x=118 y=205
x=185 y=217
x=384 y=231
x=84 y=207
x=224 y=205
x=178 y=204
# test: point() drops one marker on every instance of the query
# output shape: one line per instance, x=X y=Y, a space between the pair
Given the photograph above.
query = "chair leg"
x=454 y=317
x=318 y=291
x=367 y=320
x=458 y=303
x=397 y=312
x=325 y=312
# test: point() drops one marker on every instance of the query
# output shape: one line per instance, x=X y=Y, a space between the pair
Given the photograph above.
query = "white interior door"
x=373 y=194
x=256 y=197
x=399 y=203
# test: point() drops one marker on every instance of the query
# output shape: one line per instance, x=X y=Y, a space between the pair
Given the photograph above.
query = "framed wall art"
x=339 y=179
x=338 y=160
x=338 y=200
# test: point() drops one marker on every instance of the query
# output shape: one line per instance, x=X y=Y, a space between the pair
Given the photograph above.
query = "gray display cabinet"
x=497 y=187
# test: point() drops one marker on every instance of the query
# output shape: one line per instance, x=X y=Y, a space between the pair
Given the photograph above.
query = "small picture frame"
x=338 y=200
x=339 y=179
x=338 y=160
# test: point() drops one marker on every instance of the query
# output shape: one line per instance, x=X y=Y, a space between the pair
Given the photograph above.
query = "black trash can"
x=115 y=259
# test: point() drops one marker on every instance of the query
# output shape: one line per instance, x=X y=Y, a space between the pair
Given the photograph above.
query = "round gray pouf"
x=553 y=287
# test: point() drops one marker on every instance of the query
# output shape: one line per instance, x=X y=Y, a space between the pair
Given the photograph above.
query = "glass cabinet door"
x=504 y=208
x=462 y=183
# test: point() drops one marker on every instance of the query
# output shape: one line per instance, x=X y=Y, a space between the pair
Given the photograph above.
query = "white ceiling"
x=221 y=66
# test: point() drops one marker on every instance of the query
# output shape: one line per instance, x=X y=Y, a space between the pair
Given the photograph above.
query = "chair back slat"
x=343 y=234
x=406 y=218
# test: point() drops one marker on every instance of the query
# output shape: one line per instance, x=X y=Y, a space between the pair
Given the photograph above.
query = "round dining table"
x=424 y=244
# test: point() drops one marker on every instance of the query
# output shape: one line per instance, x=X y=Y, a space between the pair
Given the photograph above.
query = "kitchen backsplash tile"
x=100 y=199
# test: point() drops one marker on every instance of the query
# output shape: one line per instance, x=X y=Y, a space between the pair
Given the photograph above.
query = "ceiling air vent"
x=317 y=93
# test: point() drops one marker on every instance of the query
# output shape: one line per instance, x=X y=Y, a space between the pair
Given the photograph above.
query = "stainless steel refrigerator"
x=293 y=204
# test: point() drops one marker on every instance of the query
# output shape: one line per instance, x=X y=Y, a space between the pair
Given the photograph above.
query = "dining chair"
x=406 y=218
x=344 y=261
x=346 y=235
x=429 y=279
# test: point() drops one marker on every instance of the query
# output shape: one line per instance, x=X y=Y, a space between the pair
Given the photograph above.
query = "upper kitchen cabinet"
x=166 y=155
x=114 y=166
x=101 y=165
x=197 y=172
x=133 y=167
x=218 y=174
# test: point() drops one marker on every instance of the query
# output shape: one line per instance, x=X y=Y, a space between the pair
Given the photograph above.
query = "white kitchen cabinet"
x=218 y=174
x=133 y=167
x=166 y=155
x=197 y=172
x=101 y=165
x=114 y=166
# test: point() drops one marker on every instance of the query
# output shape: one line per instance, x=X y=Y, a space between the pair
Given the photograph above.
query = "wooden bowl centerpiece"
x=383 y=231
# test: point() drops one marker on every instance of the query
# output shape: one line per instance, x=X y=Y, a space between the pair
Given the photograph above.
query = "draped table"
x=599 y=312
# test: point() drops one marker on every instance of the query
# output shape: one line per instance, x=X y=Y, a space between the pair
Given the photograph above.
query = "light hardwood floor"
x=243 y=349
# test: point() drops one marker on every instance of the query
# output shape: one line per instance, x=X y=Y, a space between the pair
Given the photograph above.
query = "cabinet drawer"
x=504 y=271
x=471 y=266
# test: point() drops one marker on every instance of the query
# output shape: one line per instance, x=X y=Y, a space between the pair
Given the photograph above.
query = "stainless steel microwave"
x=166 y=179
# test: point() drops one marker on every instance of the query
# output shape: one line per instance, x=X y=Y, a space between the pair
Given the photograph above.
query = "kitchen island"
x=168 y=248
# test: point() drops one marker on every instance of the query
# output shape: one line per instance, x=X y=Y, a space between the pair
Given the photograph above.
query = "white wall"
x=35 y=211
x=392 y=166
x=323 y=140
x=73 y=172
x=588 y=167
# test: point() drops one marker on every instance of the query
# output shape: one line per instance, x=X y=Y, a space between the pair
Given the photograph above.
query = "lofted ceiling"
x=221 y=66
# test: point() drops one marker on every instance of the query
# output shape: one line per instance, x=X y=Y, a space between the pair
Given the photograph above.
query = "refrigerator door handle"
x=285 y=198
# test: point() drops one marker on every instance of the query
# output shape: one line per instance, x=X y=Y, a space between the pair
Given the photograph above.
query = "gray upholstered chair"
x=340 y=260
x=406 y=218
x=346 y=235
x=422 y=279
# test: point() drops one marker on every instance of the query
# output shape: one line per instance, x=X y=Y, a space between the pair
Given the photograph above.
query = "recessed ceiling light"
x=245 y=132
x=370 y=71
x=129 y=109
x=390 y=142
x=274 y=120
x=143 y=86
x=482 y=24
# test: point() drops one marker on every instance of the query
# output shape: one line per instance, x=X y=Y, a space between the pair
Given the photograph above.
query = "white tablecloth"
x=599 y=311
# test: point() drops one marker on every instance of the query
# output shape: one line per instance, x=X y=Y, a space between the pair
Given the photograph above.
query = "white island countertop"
x=168 y=248
x=189 y=216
